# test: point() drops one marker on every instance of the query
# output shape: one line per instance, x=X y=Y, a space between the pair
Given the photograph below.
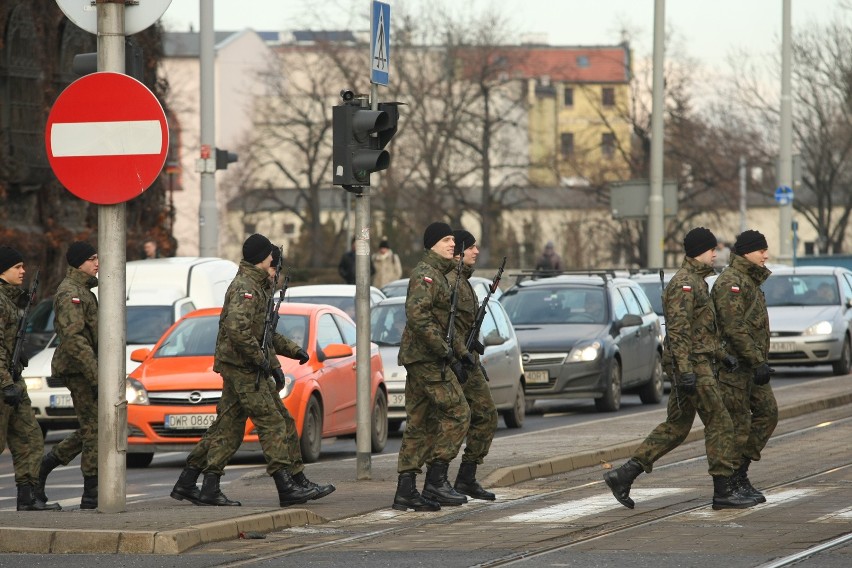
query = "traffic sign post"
x=107 y=138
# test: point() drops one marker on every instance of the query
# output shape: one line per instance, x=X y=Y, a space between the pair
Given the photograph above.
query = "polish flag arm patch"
x=687 y=288
x=735 y=289
x=427 y=280
x=248 y=295
x=75 y=300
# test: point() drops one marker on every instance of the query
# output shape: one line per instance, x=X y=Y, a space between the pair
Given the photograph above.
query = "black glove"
x=469 y=361
x=302 y=356
x=265 y=368
x=458 y=370
x=12 y=394
x=477 y=346
x=762 y=374
x=278 y=376
x=24 y=360
x=687 y=383
x=730 y=362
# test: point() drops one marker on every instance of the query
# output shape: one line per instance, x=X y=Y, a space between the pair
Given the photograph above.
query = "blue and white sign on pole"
x=784 y=195
x=380 y=43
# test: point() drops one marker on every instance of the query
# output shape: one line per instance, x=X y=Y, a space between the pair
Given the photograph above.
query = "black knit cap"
x=9 y=257
x=79 y=252
x=276 y=256
x=698 y=241
x=463 y=236
x=434 y=233
x=750 y=241
x=256 y=249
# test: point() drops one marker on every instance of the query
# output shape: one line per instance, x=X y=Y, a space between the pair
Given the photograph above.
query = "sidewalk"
x=167 y=526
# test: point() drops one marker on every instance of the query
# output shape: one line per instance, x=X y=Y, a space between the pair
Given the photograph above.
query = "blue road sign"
x=784 y=195
x=380 y=43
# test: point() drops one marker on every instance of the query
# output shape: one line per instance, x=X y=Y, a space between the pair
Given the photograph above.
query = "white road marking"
x=772 y=500
x=571 y=510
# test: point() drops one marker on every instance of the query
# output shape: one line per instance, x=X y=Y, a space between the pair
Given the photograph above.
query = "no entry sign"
x=107 y=138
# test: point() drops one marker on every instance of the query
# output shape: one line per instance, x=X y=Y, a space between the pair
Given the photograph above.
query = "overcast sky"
x=707 y=30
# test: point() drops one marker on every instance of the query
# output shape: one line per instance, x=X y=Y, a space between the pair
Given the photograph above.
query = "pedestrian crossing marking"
x=571 y=510
x=841 y=516
x=772 y=500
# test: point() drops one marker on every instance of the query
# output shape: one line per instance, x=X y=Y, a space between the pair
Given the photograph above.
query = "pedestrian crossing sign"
x=380 y=43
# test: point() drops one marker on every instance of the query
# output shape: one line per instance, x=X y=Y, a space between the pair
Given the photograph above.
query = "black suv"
x=591 y=335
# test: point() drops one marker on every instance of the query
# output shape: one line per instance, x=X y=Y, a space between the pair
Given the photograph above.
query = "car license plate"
x=396 y=400
x=188 y=421
x=61 y=401
x=775 y=347
x=537 y=376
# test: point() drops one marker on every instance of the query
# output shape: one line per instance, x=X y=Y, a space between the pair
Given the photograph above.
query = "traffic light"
x=356 y=153
x=223 y=158
x=86 y=63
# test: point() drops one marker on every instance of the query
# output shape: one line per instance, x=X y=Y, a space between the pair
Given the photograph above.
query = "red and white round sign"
x=107 y=138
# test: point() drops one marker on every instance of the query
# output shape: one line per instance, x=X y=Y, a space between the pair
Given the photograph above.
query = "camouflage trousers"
x=718 y=428
x=437 y=417
x=232 y=433
x=83 y=440
x=21 y=433
x=483 y=417
x=753 y=410
x=273 y=423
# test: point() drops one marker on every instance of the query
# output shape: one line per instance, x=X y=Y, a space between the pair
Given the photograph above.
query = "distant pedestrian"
x=549 y=261
x=693 y=347
x=75 y=362
x=346 y=266
x=723 y=256
x=744 y=324
x=150 y=248
x=18 y=427
x=387 y=265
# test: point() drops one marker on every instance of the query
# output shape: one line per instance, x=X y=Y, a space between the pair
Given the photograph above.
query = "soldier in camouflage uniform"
x=186 y=488
x=483 y=413
x=18 y=426
x=693 y=347
x=744 y=323
x=76 y=363
x=437 y=414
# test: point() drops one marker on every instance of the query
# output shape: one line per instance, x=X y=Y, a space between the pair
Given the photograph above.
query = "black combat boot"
x=212 y=495
x=744 y=485
x=48 y=463
x=407 y=496
x=437 y=488
x=27 y=500
x=726 y=496
x=321 y=490
x=290 y=492
x=186 y=487
x=467 y=484
x=90 y=492
x=621 y=478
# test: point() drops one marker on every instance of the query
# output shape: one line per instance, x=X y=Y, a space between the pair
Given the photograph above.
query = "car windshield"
x=294 y=328
x=345 y=303
x=652 y=290
x=542 y=305
x=394 y=290
x=387 y=323
x=801 y=290
x=146 y=324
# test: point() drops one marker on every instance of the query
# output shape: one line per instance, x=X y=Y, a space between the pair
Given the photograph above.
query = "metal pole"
x=785 y=161
x=743 y=189
x=655 y=200
x=112 y=245
x=208 y=214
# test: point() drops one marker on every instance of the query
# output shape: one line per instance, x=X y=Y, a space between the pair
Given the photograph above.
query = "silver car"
x=809 y=316
x=502 y=360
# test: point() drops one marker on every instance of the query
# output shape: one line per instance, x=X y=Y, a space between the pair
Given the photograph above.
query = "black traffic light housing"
x=87 y=63
x=356 y=152
x=223 y=158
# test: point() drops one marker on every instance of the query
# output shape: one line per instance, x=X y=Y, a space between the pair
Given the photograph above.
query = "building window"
x=608 y=144
x=608 y=96
x=582 y=61
x=568 y=97
x=566 y=145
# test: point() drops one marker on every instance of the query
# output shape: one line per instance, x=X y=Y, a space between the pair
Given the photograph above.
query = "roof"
x=188 y=44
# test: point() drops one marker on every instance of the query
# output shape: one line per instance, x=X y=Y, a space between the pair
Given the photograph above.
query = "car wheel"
x=311 y=440
x=379 y=430
x=843 y=366
x=139 y=460
x=611 y=400
x=514 y=417
x=652 y=391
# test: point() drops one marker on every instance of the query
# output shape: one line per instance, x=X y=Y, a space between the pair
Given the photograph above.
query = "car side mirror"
x=493 y=339
x=140 y=354
x=630 y=320
x=334 y=351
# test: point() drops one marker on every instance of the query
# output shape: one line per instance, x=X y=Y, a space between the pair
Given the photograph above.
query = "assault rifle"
x=21 y=334
x=271 y=321
x=480 y=314
x=667 y=343
x=454 y=300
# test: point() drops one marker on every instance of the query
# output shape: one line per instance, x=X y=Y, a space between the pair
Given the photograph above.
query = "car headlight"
x=34 y=383
x=585 y=353
x=289 y=383
x=821 y=328
x=135 y=392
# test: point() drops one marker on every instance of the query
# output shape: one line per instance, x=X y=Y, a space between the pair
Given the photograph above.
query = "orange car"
x=172 y=395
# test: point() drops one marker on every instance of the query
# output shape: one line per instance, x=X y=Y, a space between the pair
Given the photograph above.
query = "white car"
x=338 y=295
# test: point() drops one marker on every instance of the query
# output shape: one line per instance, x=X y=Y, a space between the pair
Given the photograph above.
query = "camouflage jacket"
x=466 y=307
x=690 y=317
x=10 y=298
x=427 y=309
x=741 y=307
x=241 y=324
x=76 y=313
